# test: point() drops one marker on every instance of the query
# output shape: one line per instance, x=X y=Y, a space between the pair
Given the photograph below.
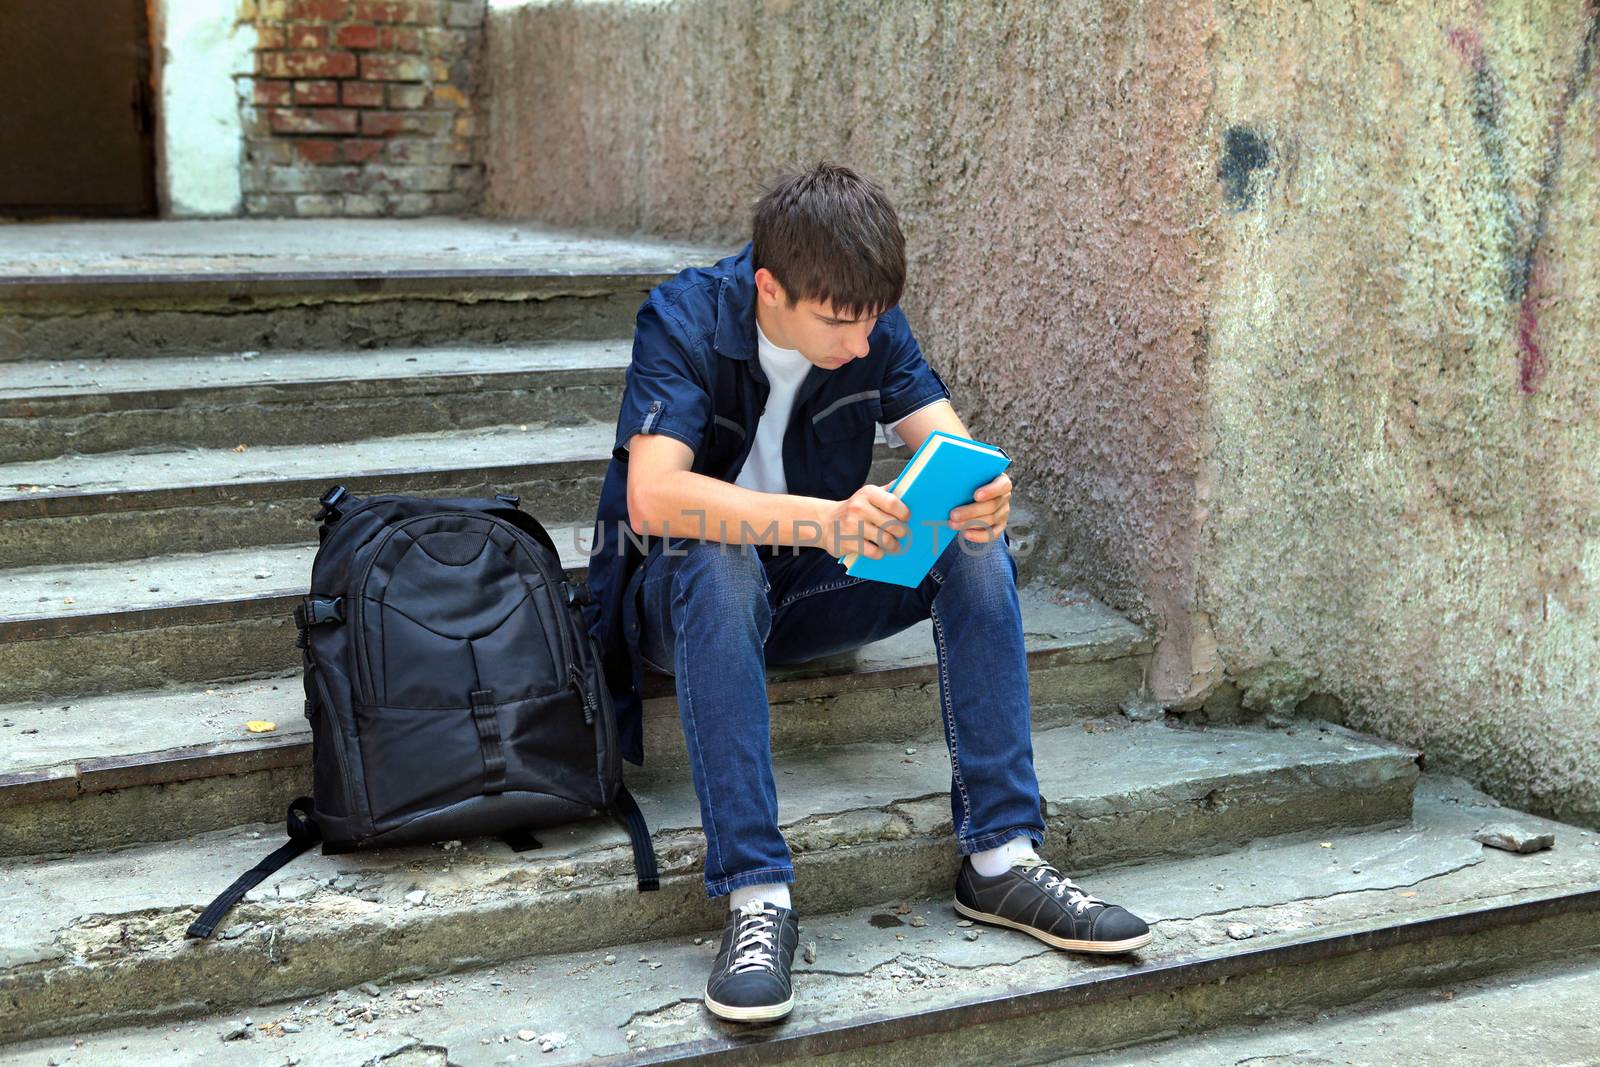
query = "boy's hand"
x=870 y=523
x=985 y=518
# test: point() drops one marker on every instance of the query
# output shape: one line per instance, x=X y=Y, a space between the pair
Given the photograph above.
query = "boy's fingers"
x=974 y=511
x=888 y=503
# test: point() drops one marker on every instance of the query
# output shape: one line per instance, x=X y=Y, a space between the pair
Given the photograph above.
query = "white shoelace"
x=1057 y=883
x=753 y=942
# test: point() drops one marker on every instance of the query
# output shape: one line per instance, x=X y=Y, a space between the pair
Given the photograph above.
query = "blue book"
x=941 y=476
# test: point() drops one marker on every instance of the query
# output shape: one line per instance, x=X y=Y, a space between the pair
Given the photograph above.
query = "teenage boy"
x=740 y=464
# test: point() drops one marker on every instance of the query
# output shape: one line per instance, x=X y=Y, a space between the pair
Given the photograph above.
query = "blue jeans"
x=713 y=615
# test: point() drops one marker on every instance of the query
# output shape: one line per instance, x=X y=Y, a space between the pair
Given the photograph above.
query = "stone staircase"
x=167 y=420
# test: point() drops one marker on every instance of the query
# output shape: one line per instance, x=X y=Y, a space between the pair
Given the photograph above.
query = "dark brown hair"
x=829 y=234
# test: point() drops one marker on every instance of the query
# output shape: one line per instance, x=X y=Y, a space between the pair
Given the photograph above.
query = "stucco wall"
x=1400 y=437
x=1042 y=158
x=1289 y=306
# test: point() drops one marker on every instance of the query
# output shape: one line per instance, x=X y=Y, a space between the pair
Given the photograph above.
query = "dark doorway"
x=77 y=111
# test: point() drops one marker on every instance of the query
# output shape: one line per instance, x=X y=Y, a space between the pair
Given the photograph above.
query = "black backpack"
x=452 y=687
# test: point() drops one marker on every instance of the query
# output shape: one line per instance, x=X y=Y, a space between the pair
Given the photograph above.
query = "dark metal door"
x=77 y=113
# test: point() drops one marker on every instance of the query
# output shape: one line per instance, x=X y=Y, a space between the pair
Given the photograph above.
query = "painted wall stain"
x=1523 y=268
x=1244 y=151
x=1531 y=360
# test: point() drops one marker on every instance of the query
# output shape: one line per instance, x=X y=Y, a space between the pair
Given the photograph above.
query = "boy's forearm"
x=685 y=504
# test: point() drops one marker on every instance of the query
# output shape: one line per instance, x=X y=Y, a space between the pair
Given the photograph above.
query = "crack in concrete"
x=902 y=959
x=645 y=1013
x=908 y=962
x=414 y=1044
x=1320 y=896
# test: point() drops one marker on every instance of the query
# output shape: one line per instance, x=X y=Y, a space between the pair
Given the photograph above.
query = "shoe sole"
x=1125 y=945
x=757 y=1014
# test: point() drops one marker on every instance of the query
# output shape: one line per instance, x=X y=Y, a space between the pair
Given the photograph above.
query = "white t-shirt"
x=785 y=369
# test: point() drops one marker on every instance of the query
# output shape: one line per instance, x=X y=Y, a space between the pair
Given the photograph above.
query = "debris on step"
x=1514 y=838
x=1241 y=931
x=1140 y=709
x=298 y=889
x=811 y=952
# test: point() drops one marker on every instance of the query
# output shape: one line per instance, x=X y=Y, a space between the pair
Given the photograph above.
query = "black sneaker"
x=1034 y=897
x=750 y=980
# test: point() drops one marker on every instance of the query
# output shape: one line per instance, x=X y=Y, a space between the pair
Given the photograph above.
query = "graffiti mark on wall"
x=1244 y=153
x=1522 y=240
x=1485 y=97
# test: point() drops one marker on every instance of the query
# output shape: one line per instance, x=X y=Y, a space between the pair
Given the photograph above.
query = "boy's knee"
x=984 y=558
x=727 y=573
x=981 y=574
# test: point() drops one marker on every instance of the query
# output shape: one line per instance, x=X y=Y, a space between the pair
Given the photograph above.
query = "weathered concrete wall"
x=1041 y=158
x=1400 y=439
x=1287 y=304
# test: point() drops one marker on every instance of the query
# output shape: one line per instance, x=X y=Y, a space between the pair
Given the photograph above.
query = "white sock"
x=995 y=861
x=775 y=893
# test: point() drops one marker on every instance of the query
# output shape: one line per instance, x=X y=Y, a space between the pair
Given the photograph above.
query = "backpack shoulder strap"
x=303 y=836
x=626 y=810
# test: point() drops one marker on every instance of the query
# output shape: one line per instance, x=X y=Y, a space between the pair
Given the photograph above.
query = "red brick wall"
x=364 y=107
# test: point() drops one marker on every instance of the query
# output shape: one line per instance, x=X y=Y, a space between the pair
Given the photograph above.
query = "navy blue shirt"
x=695 y=377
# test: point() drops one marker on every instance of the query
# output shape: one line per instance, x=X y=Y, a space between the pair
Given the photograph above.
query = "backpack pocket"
x=419 y=760
x=451 y=603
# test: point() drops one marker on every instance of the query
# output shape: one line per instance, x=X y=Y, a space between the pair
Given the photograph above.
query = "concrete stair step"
x=93 y=772
x=278 y=398
x=93 y=940
x=132 y=505
x=900 y=981
x=1537 y=1015
x=140 y=289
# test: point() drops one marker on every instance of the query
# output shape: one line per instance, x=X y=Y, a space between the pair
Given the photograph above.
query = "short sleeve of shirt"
x=891 y=437
x=909 y=382
x=664 y=389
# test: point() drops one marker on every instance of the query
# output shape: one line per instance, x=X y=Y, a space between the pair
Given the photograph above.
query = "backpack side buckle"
x=329 y=511
x=315 y=611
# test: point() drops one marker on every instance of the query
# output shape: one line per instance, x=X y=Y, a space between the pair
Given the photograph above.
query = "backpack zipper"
x=583 y=690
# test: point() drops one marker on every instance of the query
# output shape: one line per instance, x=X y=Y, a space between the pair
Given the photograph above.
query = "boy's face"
x=826 y=339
